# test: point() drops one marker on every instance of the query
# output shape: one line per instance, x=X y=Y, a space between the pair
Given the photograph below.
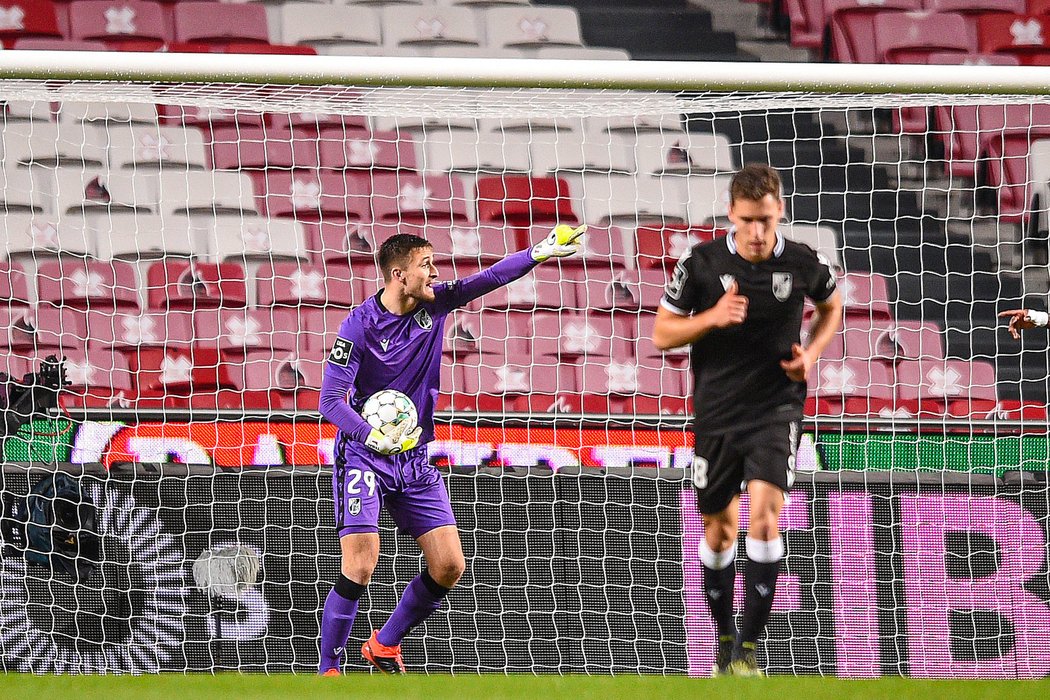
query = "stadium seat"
x=607 y=290
x=462 y=150
x=36 y=235
x=179 y=372
x=52 y=145
x=97 y=378
x=663 y=246
x=330 y=29
x=321 y=328
x=208 y=118
x=865 y=295
x=1020 y=35
x=822 y=239
x=543 y=288
x=852 y=27
x=493 y=334
x=19 y=20
x=917 y=340
x=205 y=192
x=977 y=6
x=48 y=328
x=293 y=284
x=671 y=152
x=338 y=240
x=345 y=149
x=1022 y=411
x=155 y=147
x=484 y=244
x=18 y=193
x=178 y=284
x=244 y=147
x=708 y=198
x=129 y=331
x=1035 y=7
x=629 y=201
x=863 y=338
x=237 y=332
x=137 y=236
x=309 y=124
x=255 y=238
x=511 y=385
x=559 y=151
x=272 y=381
x=651 y=282
x=427 y=26
x=52 y=44
x=931 y=387
x=601 y=248
x=533 y=27
x=910 y=37
x=1005 y=156
x=219 y=23
x=309 y=195
x=117 y=21
x=850 y=388
x=13 y=289
x=524 y=201
x=88 y=284
x=622 y=378
x=573 y=337
x=639 y=329
x=403 y=197
x=807 y=23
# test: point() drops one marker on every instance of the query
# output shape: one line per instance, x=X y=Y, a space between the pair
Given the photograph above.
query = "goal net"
x=191 y=245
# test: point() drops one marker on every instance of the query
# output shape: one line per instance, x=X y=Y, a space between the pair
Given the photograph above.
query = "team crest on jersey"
x=340 y=354
x=782 y=285
x=353 y=506
x=727 y=281
x=424 y=319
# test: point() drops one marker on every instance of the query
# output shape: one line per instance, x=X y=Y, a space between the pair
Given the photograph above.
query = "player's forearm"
x=504 y=272
x=672 y=332
x=825 y=325
x=336 y=410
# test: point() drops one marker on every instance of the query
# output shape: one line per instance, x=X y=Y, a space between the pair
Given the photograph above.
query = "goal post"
x=190 y=230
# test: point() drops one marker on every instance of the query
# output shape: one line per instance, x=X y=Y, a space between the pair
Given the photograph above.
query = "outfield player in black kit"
x=738 y=301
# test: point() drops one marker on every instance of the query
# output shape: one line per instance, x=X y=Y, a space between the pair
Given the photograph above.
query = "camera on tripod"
x=35 y=396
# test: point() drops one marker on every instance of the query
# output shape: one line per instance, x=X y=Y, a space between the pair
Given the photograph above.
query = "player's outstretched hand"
x=562 y=242
x=731 y=309
x=797 y=368
x=393 y=439
x=1021 y=319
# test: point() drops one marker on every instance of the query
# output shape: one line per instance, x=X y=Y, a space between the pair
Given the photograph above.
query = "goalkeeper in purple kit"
x=393 y=341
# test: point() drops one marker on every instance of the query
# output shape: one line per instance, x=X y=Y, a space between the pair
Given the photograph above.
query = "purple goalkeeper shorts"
x=407 y=484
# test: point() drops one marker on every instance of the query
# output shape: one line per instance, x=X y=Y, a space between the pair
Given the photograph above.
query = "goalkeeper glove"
x=392 y=439
x=562 y=242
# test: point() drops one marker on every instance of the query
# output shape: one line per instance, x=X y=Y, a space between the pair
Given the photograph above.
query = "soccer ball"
x=387 y=407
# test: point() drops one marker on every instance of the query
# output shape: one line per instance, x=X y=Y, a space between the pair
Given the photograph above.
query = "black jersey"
x=739 y=382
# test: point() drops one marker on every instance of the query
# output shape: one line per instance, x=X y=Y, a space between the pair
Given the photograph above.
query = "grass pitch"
x=361 y=687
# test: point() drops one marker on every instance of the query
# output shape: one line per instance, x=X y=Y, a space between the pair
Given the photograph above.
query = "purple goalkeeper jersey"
x=377 y=349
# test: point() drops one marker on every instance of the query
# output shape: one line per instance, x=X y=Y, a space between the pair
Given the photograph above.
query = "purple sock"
x=421 y=598
x=340 y=609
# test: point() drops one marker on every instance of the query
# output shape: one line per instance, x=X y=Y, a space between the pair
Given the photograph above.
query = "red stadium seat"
x=1021 y=35
x=1035 y=7
x=863 y=338
x=405 y=197
x=98 y=378
x=929 y=387
x=524 y=201
x=118 y=21
x=218 y=23
x=88 y=284
x=127 y=332
x=164 y=372
x=353 y=149
x=475 y=244
x=573 y=337
x=1022 y=411
x=605 y=290
x=807 y=23
x=1005 y=156
x=320 y=329
x=601 y=248
x=49 y=44
x=255 y=147
x=977 y=6
x=638 y=328
x=650 y=283
x=509 y=384
x=865 y=295
x=237 y=332
x=850 y=387
x=309 y=195
x=664 y=245
x=852 y=27
x=179 y=284
x=910 y=37
x=13 y=289
x=49 y=328
x=310 y=124
x=543 y=288
x=21 y=19
x=293 y=284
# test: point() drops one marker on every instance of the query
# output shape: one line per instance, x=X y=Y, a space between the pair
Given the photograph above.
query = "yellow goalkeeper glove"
x=392 y=439
x=562 y=242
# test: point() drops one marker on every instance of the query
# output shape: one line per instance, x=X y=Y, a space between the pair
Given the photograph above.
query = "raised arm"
x=1023 y=319
x=561 y=242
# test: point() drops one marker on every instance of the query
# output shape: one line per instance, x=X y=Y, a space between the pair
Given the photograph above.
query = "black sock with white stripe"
x=760 y=584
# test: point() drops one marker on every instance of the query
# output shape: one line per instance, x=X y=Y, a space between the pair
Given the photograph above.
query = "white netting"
x=192 y=248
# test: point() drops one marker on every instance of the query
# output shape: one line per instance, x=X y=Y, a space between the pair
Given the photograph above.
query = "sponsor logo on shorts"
x=353 y=506
x=340 y=354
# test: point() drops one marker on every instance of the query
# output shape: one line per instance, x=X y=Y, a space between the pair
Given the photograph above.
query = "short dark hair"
x=397 y=249
x=754 y=181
